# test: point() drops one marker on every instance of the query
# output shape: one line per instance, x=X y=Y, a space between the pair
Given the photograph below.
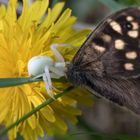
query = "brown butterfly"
x=108 y=63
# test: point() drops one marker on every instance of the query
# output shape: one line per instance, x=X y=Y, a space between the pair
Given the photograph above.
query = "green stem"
x=8 y=82
x=26 y=116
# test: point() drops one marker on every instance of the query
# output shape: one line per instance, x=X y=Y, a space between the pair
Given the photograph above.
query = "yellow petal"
x=2 y=11
x=33 y=14
x=11 y=12
x=78 y=37
x=68 y=100
x=32 y=121
x=62 y=20
x=60 y=124
x=48 y=113
x=52 y=15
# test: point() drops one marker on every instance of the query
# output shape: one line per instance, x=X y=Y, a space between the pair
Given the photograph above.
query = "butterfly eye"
x=128 y=26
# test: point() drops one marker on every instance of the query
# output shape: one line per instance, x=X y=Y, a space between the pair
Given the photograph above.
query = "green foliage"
x=118 y=4
x=95 y=136
x=113 y=5
x=19 y=137
x=129 y=2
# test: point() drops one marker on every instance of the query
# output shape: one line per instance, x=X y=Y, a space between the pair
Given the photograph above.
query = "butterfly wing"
x=116 y=43
x=108 y=63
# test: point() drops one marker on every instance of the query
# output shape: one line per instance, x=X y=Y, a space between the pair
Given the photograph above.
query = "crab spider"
x=45 y=67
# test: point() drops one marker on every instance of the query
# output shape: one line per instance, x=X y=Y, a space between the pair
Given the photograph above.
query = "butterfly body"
x=108 y=63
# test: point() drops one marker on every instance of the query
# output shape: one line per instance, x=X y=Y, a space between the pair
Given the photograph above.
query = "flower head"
x=21 y=38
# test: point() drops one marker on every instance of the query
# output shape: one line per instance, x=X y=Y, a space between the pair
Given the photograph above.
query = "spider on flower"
x=47 y=68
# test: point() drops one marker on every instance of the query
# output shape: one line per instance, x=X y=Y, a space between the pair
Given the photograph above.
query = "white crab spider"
x=45 y=67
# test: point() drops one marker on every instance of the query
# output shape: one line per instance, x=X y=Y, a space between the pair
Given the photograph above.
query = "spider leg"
x=58 y=70
x=60 y=66
x=56 y=52
x=54 y=75
x=48 y=82
x=38 y=76
x=58 y=55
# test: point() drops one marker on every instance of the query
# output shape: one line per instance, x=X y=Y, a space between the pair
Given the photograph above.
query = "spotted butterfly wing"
x=108 y=63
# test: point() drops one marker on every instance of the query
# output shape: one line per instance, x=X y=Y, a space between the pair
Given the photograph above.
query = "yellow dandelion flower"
x=21 y=38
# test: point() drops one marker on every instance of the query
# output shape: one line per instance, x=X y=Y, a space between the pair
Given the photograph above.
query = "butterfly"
x=108 y=62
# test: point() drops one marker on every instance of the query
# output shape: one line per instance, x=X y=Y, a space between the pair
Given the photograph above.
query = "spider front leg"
x=57 y=54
